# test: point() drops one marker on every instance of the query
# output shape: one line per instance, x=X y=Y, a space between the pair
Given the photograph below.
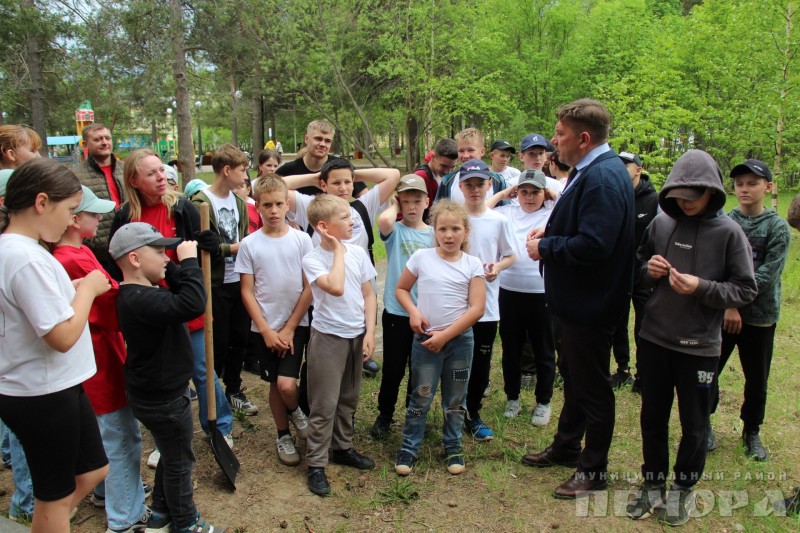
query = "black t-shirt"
x=298 y=167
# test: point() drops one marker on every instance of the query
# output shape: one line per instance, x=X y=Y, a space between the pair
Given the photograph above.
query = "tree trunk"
x=153 y=131
x=412 y=146
x=258 y=125
x=33 y=53
x=185 y=142
x=234 y=112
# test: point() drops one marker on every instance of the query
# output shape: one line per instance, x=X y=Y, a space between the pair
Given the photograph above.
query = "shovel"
x=225 y=457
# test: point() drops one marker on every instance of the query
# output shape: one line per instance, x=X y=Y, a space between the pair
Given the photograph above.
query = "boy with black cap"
x=500 y=154
x=698 y=262
x=161 y=361
x=752 y=328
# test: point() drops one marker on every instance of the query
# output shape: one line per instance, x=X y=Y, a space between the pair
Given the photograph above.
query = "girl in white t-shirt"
x=451 y=298
x=45 y=347
x=524 y=316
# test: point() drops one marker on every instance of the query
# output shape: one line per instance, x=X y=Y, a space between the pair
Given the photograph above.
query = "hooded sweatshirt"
x=710 y=246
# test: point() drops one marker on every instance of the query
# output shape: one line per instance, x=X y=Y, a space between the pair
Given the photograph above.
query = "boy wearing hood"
x=699 y=263
x=751 y=328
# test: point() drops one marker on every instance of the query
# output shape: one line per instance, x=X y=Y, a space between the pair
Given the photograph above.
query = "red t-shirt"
x=158 y=217
x=253 y=218
x=106 y=389
x=112 y=185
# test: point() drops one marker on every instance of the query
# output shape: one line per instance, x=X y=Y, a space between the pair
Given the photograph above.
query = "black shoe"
x=712 y=440
x=371 y=368
x=352 y=458
x=318 y=481
x=753 y=447
x=637 y=385
x=791 y=505
x=381 y=428
x=253 y=367
x=621 y=378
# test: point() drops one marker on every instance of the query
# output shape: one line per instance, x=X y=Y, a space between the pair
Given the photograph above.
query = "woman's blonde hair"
x=132 y=163
x=12 y=136
x=449 y=207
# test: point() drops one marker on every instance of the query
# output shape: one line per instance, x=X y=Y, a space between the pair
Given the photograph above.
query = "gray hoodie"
x=710 y=246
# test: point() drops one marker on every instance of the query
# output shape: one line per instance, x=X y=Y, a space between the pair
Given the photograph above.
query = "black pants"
x=484 y=334
x=755 y=353
x=588 y=397
x=664 y=373
x=525 y=317
x=231 y=331
x=621 y=344
x=397 y=340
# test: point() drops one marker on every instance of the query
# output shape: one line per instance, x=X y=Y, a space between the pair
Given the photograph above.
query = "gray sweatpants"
x=334 y=383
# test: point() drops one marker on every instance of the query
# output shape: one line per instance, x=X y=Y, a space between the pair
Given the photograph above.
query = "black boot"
x=753 y=447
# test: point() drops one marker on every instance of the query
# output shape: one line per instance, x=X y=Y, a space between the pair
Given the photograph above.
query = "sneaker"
x=637 y=385
x=100 y=501
x=513 y=408
x=621 y=378
x=381 y=428
x=26 y=519
x=158 y=523
x=648 y=497
x=300 y=422
x=676 y=507
x=405 y=462
x=352 y=458
x=487 y=390
x=239 y=402
x=753 y=447
x=371 y=368
x=479 y=430
x=541 y=415
x=228 y=440
x=287 y=453
x=200 y=526
x=318 y=481
x=139 y=527
x=527 y=381
x=154 y=458
x=455 y=463
x=712 y=440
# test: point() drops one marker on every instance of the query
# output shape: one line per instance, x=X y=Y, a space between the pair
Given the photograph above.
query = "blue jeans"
x=451 y=365
x=5 y=446
x=122 y=487
x=22 y=499
x=224 y=414
x=170 y=422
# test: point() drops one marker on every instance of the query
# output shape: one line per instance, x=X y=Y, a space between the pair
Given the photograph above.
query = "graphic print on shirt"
x=227 y=228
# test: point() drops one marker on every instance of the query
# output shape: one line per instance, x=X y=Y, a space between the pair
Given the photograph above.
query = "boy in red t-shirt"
x=124 y=492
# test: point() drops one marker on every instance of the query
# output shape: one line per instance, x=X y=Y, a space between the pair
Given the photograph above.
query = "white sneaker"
x=541 y=415
x=287 y=453
x=154 y=458
x=228 y=440
x=298 y=418
x=513 y=408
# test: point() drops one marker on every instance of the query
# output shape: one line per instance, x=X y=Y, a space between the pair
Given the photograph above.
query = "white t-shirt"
x=276 y=264
x=455 y=191
x=511 y=175
x=523 y=275
x=35 y=296
x=490 y=240
x=343 y=315
x=443 y=286
x=228 y=225
x=371 y=200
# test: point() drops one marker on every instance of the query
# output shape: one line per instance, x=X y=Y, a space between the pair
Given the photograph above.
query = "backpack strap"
x=359 y=206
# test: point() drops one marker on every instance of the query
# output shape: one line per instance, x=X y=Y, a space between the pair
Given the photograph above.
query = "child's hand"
x=490 y=271
x=274 y=342
x=732 y=321
x=418 y=323
x=95 y=281
x=683 y=283
x=328 y=241
x=550 y=194
x=510 y=193
x=208 y=241
x=186 y=250
x=658 y=267
x=435 y=341
x=536 y=233
x=286 y=335
x=368 y=346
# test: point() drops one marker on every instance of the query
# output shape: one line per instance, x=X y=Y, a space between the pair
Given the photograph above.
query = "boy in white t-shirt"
x=523 y=311
x=229 y=225
x=342 y=336
x=277 y=298
x=500 y=154
x=490 y=241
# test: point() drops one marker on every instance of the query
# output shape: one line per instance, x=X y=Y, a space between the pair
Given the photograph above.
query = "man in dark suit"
x=586 y=252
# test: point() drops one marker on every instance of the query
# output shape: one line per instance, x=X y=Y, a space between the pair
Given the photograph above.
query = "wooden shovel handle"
x=211 y=399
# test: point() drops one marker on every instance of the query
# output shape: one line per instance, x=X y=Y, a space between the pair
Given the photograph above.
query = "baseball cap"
x=194 y=186
x=135 y=235
x=686 y=193
x=503 y=145
x=90 y=203
x=534 y=139
x=412 y=182
x=5 y=174
x=759 y=168
x=474 y=168
x=629 y=157
x=533 y=177
x=172 y=174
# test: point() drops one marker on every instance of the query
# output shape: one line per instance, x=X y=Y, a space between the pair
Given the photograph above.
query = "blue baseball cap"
x=534 y=139
x=474 y=168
